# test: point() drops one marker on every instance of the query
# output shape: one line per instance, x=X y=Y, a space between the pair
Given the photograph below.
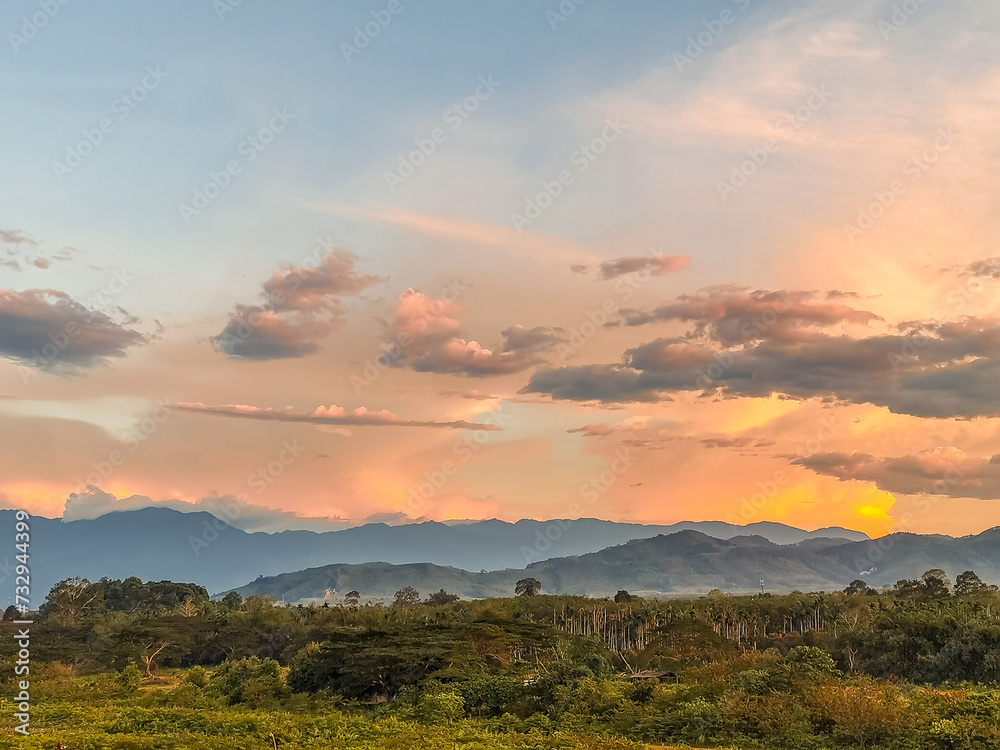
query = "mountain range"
x=682 y=563
x=166 y=544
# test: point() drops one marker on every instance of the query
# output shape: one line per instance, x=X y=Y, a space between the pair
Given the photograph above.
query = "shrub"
x=252 y=681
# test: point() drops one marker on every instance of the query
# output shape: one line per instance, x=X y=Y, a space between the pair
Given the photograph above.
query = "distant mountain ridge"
x=686 y=562
x=161 y=543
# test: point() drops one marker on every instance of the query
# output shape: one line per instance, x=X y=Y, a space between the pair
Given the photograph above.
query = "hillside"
x=686 y=562
x=160 y=543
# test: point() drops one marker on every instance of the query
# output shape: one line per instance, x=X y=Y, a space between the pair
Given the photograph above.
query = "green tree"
x=406 y=597
x=71 y=600
x=441 y=598
x=969 y=584
x=858 y=587
x=251 y=681
x=527 y=587
x=232 y=600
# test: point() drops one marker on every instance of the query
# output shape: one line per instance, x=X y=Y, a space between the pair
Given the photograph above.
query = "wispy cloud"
x=527 y=244
x=328 y=415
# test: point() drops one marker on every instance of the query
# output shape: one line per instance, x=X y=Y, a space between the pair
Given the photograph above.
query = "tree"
x=623 y=596
x=969 y=584
x=252 y=681
x=232 y=600
x=936 y=583
x=11 y=613
x=858 y=587
x=148 y=658
x=71 y=600
x=527 y=587
x=441 y=598
x=406 y=597
x=352 y=598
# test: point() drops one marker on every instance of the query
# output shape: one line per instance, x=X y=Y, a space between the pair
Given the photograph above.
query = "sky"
x=313 y=265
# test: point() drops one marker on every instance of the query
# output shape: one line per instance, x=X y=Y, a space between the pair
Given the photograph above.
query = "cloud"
x=657 y=264
x=527 y=244
x=473 y=395
x=301 y=307
x=744 y=441
x=19 y=248
x=922 y=368
x=16 y=237
x=942 y=471
x=987 y=268
x=328 y=415
x=732 y=315
x=425 y=336
x=48 y=330
x=94 y=502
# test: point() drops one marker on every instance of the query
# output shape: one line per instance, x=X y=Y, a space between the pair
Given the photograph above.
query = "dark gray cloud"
x=732 y=315
x=943 y=471
x=301 y=307
x=987 y=268
x=925 y=369
x=742 y=441
x=606 y=383
x=48 y=330
x=654 y=265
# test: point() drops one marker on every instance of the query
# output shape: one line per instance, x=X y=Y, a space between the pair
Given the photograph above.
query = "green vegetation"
x=123 y=664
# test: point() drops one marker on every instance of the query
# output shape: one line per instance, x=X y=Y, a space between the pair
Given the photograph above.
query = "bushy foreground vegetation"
x=161 y=666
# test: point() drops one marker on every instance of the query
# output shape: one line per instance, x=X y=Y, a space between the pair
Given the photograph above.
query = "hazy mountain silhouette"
x=161 y=543
x=686 y=562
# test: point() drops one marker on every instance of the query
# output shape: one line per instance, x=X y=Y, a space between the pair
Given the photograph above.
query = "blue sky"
x=691 y=191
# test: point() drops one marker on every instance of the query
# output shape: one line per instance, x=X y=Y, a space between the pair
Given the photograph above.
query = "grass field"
x=170 y=716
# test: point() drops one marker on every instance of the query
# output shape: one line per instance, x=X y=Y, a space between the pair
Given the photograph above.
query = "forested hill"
x=686 y=562
x=165 y=544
